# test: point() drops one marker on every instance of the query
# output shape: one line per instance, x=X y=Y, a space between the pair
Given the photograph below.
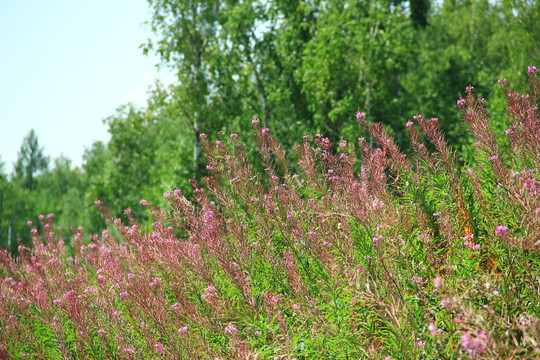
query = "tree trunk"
x=197 y=154
x=368 y=111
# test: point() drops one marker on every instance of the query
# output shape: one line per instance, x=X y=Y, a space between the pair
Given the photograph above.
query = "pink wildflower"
x=409 y=124
x=433 y=330
x=231 y=329
x=473 y=344
x=255 y=122
x=377 y=240
x=326 y=143
x=144 y=202
x=461 y=103
x=159 y=347
x=530 y=184
x=209 y=292
x=532 y=71
x=501 y=231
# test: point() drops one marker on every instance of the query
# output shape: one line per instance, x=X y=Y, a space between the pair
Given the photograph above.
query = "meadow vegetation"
x=365 y=253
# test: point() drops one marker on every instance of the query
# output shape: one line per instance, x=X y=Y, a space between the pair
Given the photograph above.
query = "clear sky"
x=65 y=65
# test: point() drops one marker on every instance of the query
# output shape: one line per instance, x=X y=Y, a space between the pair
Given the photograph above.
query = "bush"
x=388 y=257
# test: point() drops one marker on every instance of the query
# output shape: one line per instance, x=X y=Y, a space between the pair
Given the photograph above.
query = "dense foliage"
x=301 y=67
x=390 y=256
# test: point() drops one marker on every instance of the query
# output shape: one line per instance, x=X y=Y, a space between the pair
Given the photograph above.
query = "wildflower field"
x=366 y=253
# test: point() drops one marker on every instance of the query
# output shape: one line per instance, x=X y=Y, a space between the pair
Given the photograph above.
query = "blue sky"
x=65 y=65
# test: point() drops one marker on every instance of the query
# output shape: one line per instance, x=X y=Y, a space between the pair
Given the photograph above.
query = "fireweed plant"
x=390 y=257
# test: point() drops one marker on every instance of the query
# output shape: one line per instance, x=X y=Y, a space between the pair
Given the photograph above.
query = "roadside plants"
x=364 y=253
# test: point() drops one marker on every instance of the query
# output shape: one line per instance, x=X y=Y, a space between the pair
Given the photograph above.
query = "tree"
x=60 y=191
x=96 y=168
x=147 y=155
x=3 y=185
x=270 y=38
x=419 y=12
x=356 y=58
x=4 y=225
x=30 y=161
x=186 y=31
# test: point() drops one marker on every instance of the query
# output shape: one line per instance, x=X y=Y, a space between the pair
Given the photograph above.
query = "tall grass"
x=390 y=257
